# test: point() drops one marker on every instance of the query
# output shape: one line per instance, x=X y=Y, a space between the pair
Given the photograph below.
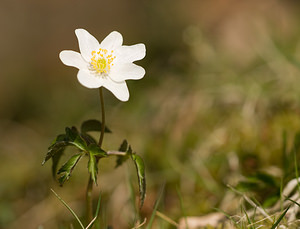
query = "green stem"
x=89 y=190
x=103 y=117
x=89 y=200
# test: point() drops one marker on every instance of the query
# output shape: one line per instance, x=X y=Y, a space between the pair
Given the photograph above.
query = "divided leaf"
x=55 y=159
x=73 y=137
x=140 y=167
x=93 y=125
x=94 y=152
x=88 y=138
x=56 y=146
x=93 y=167
x=59 y=138
x=123 y=148
x=68 y=167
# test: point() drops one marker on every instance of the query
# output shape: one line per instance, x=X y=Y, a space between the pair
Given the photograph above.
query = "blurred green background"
x=221 y=85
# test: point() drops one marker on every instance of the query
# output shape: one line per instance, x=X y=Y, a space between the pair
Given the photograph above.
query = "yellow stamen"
x=100 y=62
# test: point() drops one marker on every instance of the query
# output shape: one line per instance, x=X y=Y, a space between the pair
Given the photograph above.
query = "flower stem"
x=89 y=190
x=103 y=117
x=89 y=200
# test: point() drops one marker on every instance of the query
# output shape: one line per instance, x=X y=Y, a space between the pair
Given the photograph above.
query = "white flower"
x=107 y=64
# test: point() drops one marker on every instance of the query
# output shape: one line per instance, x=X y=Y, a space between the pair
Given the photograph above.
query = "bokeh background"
x=222 y=86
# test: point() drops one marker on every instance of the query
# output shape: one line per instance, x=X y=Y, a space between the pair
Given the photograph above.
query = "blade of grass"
x=296 y=170
x=252 y=202
x=280 y=218
x=248 y=219
x=137 y=217
x=140 y=225
x=293 y=201
x=96 y=214
x=228 y=216
x=254 y=215
x=149 y=226
x=281 y=194
x=284 y=152
x=181 y=206
x=98 y=206
x=67 y=206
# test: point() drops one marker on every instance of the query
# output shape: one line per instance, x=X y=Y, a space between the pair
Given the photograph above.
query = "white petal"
x=88 y=80
x=87 y=43
x=119 y=89
x=129 y=54
x=127 y=71
x=112 y=41
x=73 y=59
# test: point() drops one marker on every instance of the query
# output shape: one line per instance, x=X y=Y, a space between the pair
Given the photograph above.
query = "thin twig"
x=116 y=153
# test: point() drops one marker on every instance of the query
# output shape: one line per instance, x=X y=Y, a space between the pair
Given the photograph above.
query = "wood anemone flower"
x=107 y=64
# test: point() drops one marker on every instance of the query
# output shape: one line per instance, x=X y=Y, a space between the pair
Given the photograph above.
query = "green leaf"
x=93 y=167
x=96 y=150
x=92 y=125
x=88 y=138
x=121 y=159
x=59 y=138
x=140 y=167
x=73 y=137
x=55 y=152
x=55 y=159
x=68 y=167
x=123 y=148
x=56 y=146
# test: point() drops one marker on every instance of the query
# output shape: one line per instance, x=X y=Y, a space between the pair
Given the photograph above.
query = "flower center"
x=101 y=61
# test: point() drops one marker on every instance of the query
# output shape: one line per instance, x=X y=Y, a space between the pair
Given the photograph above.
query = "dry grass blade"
x=166 y=218
x=140 y=225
